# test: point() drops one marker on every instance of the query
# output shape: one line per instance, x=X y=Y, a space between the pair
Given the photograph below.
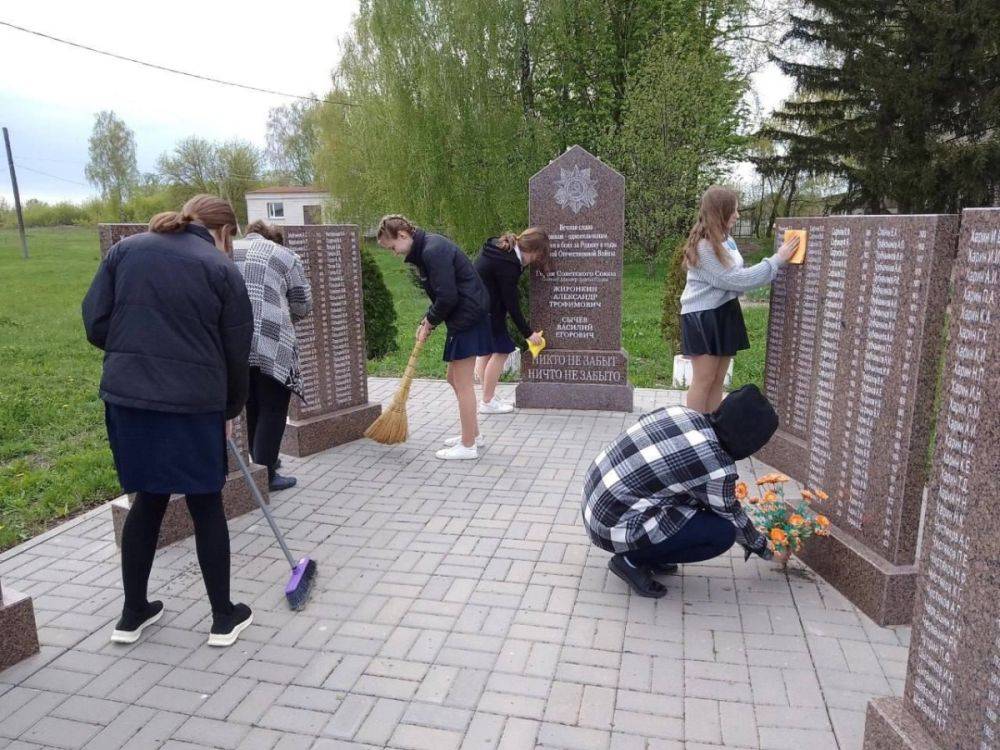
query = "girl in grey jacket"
x=712 y=327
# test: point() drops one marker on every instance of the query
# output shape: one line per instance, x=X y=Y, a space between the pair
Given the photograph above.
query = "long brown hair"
x=532 y=240
x=210 y=210
x=718 y=205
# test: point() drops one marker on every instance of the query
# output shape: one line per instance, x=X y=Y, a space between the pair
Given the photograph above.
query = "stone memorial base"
x=237 y=499
x=883 y=591
x=303 y=437
x=889 y=726
x=588 y=396
x=18 y=633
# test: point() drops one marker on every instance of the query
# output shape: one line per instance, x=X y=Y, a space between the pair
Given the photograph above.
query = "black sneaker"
x=132 y=623
x=277 y=483
x=639 y=579
x=227 y=628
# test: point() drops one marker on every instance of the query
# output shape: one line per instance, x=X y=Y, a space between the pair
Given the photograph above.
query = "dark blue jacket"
x=458 y=296
x=173 y=317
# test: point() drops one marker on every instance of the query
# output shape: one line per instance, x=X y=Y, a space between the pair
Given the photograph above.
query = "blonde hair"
x=718 y=205
x=392 y=224
x=532 y=240
x=210 y=210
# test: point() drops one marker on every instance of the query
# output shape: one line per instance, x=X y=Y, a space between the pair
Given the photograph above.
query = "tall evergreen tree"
x=901 y=98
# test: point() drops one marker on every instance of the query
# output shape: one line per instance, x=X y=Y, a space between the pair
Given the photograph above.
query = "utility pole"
x=17 y=195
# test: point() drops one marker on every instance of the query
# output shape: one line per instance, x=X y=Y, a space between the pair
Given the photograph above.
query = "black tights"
x=211 y=533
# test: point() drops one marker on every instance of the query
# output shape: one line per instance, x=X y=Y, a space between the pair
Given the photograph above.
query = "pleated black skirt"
x=720 y=332
x=164 y=452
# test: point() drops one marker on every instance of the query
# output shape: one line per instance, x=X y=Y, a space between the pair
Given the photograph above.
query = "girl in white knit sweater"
x=712 y=327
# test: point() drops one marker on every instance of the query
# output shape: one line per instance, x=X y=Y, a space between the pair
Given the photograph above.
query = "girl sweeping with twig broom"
x=460 y=301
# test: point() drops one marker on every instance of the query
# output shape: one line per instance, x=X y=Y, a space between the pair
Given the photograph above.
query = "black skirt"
x=165 y=452
x=472 y=342
x=720 y=332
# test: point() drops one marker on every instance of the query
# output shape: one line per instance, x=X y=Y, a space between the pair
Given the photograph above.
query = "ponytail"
x=507 y=242
x=532 y=240
x=168 y=222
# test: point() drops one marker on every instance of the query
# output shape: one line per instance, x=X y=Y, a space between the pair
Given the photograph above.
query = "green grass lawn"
x=54 y=459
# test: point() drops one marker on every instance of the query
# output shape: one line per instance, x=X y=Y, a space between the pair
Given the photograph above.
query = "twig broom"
x=392 y=427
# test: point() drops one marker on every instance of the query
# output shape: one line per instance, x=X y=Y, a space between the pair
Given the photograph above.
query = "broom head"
x=392 y=426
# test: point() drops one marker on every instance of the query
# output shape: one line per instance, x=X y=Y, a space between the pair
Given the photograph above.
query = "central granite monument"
x=952 y=694
x=236 y=496
x=853 y=347
x=580 y=202
x=331 y=342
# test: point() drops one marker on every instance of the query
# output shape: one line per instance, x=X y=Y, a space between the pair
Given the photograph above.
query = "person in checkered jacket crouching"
x=663 y=492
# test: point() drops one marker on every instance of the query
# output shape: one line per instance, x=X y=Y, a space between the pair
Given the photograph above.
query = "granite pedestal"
x=853 y=351
x=580 y=202
x=331 y=342
x=952 y=693
x=18 y=632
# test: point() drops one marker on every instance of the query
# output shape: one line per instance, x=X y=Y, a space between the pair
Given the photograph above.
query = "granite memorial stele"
x=580 y=202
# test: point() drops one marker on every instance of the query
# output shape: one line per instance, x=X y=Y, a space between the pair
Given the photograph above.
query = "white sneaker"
x=453 y=441
x=458 y=453
x=496 y=406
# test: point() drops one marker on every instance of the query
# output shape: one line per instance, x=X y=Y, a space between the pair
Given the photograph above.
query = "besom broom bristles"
x=393 y=427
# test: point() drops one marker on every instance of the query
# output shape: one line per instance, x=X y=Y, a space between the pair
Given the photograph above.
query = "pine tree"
x=901 y=98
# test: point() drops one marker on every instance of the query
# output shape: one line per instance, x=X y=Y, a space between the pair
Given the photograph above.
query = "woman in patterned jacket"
x=280 y=295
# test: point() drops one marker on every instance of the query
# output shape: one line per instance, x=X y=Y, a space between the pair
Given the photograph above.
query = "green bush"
x=380 y=313
x=673 y=285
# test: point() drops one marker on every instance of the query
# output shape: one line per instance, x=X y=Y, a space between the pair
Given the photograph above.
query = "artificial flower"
x=741 y=490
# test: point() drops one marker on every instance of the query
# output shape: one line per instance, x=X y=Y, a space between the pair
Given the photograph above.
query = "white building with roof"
x=287 y=205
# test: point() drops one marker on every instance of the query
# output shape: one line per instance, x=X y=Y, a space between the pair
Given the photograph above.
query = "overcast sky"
x=50 y=93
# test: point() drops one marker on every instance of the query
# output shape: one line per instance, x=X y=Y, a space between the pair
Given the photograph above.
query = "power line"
x=46 y=174
x=154 y=66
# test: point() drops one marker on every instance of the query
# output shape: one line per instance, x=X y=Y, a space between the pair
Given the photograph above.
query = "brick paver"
x=458 y=605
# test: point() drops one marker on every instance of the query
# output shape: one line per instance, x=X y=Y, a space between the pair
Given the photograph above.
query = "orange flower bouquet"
x=787 y=527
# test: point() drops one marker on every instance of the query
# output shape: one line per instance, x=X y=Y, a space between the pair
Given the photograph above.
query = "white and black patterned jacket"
x=280 y=294
x=651 y=479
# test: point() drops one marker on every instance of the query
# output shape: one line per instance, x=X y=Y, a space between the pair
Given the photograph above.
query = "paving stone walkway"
x=458 y=605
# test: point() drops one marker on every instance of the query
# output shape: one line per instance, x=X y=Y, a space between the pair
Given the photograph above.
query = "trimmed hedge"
x=380 y=313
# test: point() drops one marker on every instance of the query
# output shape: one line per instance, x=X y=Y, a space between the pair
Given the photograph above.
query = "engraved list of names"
x=953 y=683
x=331 y=340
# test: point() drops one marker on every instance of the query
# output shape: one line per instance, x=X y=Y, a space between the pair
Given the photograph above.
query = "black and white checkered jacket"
x=651 y=479
x=279 y=293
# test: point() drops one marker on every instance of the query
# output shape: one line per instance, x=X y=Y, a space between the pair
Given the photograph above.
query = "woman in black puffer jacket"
x=460 y=301
x=171 y=312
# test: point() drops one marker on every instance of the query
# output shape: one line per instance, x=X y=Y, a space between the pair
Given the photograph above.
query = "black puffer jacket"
x=172 y=315
x=500 y=271
x=458 y=296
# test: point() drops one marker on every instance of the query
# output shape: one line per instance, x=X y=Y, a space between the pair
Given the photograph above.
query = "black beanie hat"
x=744 y=422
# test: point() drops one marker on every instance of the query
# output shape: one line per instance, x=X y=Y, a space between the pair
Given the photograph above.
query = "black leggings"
x=267 y=410
x=211 y=533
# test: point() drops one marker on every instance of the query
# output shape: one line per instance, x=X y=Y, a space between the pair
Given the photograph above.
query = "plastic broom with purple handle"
x=304 y=571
